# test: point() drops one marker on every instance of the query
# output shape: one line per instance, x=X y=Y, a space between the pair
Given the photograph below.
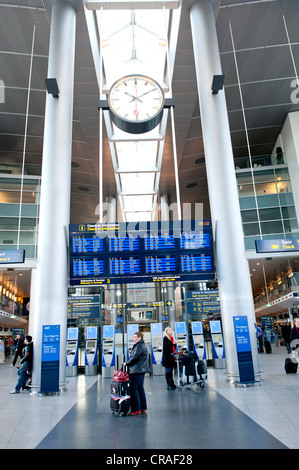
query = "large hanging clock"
x=136 y=104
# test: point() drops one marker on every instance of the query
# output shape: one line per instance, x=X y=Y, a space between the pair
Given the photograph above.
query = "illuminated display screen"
x=147 y=252
x=124 y=265
x=123 y=243
x=161 y=264
x=82 y=267
x=195 y=241
x=195 y=262
x=159 y=242
x=87 y=244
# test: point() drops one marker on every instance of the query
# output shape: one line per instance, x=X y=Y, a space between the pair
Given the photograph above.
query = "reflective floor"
x=220 y=416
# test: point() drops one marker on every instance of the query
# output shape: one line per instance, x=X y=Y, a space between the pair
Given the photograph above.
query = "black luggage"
x=290 y=366
x=268 y=347
x=120 y=390
x=202 y=370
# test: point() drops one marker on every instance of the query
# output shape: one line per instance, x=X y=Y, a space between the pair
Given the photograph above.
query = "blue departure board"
x=160 y=264
x=124 y=265
x=142 y=252
x=82 y=267
x=195 y=241
x=196 y=263
x=159 y=242
x=87 y=244
x=123 y=243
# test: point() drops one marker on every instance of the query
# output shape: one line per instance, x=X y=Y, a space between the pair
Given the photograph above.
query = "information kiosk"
x=181 y=335
x=217 y=342
x=91 y=350
x=131 y=329
x=108 y=351
x=157 y=348
x=72 y=352
x=198 y=340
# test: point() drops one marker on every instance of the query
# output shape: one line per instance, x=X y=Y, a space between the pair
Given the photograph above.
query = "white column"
x=50 y=297
x=232 y=265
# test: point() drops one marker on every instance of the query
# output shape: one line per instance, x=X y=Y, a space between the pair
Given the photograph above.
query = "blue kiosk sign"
x=50 y=359
x=244 y=350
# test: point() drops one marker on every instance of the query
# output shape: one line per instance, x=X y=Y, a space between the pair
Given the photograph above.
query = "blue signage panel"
x=243 y=349
x=50 y=359
x=12 y=256
x=272 y=246
x=141 y=252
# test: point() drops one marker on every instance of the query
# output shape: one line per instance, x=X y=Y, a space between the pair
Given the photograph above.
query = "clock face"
x=136 y=103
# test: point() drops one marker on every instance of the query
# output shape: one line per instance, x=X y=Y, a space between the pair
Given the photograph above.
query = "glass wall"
x=267 y=204
x=19 y=212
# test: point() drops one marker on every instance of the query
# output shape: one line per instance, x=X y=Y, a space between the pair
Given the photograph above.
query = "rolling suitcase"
x=202 y=373
x=268 y=347
x=290 y=366
x=120 y=392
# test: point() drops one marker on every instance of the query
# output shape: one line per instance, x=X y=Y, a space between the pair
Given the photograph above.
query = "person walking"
x=294 y=335
x=26 y=365
x=168 y=360
x=138 y=365
x=19 y=344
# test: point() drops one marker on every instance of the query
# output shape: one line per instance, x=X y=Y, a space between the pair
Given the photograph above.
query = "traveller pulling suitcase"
x=120 y=389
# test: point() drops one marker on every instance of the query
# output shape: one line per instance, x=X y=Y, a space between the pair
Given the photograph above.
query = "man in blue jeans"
x=26 y=365
x=138 y=365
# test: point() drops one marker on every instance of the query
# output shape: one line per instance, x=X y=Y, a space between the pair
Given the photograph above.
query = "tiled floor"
x=220 y=416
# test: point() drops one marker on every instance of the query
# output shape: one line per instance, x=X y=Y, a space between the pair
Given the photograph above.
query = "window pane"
x=265 y=188
x=272 y=227
x=245 y=190
x=265 y=175
x=289 y=212
x=291 y=225
x=282 y=173
x=270 y=214
x=244 y=178
x=251 y=229
x=249 y=216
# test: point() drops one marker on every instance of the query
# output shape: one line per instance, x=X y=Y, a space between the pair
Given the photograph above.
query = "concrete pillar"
x=50 y=296
x=232 y=266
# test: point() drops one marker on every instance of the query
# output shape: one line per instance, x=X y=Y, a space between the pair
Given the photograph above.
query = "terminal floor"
x=220 y=416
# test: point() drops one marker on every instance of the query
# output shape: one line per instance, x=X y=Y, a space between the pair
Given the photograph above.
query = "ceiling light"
x=191 y=185
x=83 y=188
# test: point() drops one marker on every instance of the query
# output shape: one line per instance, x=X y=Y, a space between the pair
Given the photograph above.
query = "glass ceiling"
x=135 y=42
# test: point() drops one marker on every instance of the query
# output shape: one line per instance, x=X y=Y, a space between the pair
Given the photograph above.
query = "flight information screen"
x=124 y=265
x=87 y=244
x=162 y=264
x=159 y=242
x=147 y=252
x=123 y=244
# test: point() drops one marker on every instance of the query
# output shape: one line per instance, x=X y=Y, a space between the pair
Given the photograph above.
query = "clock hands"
x=132 y=96
x=138 y=98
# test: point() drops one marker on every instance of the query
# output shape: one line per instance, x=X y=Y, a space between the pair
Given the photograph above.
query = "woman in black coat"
x=138 y=366
x=168 y=360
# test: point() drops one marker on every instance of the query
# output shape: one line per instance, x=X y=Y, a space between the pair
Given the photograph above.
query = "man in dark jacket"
x=138 y=365
x=19 y=344
x=26 y=365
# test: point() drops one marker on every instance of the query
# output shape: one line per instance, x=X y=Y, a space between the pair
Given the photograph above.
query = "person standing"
x=26 y=365
x=138 y=365
x=168 y=360
x=19 y=344
x=294 y=336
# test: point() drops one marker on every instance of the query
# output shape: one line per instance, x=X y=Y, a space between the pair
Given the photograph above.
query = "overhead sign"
x=143 y=252
x=12 y=256
x=85 y=306
x=272 y=246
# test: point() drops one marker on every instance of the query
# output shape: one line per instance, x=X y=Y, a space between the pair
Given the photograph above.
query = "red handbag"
x=120 y=376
